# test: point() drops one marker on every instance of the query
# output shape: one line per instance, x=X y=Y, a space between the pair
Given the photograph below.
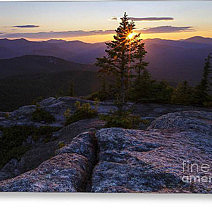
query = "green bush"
x=92 y=96
x=15 y=152
x=183 y=94
x=83 y=111
x=124 y=120
x=44 y=132
x=101 y=95
x=61 y=145
x=208 y=104
x=7 y=115
x=105 y=91
x=37 y=99
x=67 y=113
x=146 y=90
x=40 y=115
x=161 y=92
x=11 y=142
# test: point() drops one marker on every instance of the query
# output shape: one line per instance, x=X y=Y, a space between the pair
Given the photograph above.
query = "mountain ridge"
x=199 y=39
x=43 y=69
x=172 y=60
x=24 y=79
x=32 y=64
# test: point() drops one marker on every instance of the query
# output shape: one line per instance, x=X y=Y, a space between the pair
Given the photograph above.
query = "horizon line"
x=55 y=39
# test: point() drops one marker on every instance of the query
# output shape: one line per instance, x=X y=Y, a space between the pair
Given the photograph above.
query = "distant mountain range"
x=76 y=51
x=168 y=59
x=31 y=69
x=199 y=39
x=178 y=60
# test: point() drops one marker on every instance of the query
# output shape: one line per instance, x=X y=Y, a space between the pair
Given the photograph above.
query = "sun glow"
x=131 y=36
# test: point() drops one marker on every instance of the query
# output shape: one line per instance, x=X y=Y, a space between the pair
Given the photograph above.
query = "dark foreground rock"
x=152 y=160
x=66 y=172
x=149 y=161
x=123 y=160
x=198 y=121
x=44 y=151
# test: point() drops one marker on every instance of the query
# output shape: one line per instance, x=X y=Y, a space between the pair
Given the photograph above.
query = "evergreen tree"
x=142 y=88
x=182 y=94
x=103 y=92
x=71 y=89
x=60 y=92
x=202 y=90
x=119 y=60
x=161 y=92
x=139 y=55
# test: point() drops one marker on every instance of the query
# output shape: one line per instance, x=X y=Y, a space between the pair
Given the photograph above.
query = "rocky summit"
x=40 y=150
x=172 y=156
x=57 y=107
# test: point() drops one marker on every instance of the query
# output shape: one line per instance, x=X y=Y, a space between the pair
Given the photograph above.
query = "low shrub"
x=83 y=111
x=101 y=95
x=124 y=120
x=40 y=115
x=44 y=132
x=61 y=145
x=207 y=104
x=7 y=115
x=11 y=142
x=16 y=152
x=37 y=99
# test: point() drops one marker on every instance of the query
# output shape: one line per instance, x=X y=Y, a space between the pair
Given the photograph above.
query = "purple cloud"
x=52 y=34
x=166 y=29
x=26 y=26
x=147 y=19
x=152 y=19
x=114 y=18
x=79 y=33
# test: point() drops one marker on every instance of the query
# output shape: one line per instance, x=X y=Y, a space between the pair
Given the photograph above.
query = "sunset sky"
x=95 y=21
